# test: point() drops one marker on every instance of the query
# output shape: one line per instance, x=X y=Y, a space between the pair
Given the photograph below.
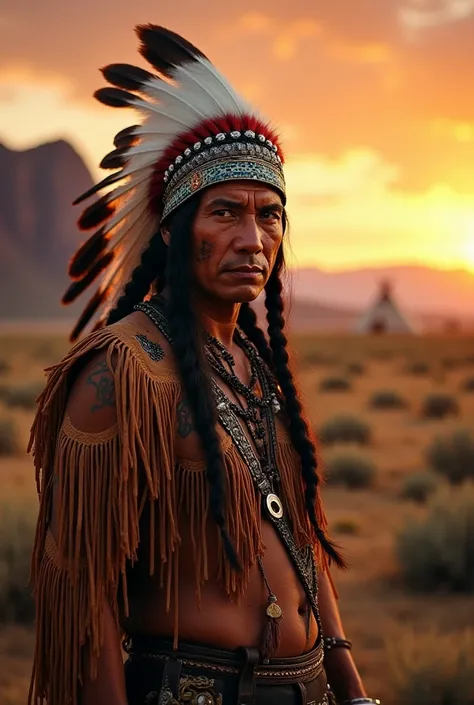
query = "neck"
x=218 y=317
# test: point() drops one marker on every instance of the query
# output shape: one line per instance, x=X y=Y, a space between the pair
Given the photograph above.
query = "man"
x=179 y=493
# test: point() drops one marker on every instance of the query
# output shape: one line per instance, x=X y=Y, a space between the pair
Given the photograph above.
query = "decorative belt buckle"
x=195 y=690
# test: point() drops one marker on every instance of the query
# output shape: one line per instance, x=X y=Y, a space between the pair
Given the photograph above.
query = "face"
x=237 y=233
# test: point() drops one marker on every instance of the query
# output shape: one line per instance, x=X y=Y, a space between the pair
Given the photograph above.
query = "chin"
x=244 y=294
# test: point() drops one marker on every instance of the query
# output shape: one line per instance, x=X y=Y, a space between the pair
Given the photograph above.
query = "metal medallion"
x=274 y=505
x=274 y=611
x=196 y=181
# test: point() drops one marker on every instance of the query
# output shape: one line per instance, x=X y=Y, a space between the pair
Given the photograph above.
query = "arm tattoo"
x=185 y=419
x=205 y=251
x=103 y=380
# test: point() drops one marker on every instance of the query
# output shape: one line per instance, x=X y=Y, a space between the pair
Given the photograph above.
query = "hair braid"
x=187 y=346
x=247 y=320
x=298 y=425
x=152 y=266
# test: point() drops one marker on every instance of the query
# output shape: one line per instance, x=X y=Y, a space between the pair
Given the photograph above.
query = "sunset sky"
x=374 y=100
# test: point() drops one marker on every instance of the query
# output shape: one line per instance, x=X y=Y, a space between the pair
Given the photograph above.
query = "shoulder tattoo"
x=185 y=419
x=102 y=379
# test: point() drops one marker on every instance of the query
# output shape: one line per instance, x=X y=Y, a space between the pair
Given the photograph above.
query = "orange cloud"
x=337 y=74
x=370 y=53
x=456 y=130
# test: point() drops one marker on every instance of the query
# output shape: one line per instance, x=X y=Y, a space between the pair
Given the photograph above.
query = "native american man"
x=180 y=514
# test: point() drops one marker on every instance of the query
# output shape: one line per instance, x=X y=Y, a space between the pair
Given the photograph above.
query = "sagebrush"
x=468 y=384
x=452 y=456
x=9 y=437
x=350 y=469
x=17 y=528
x=437 y=552
x=419 y=486
x=344 y=428
x=21 y=395
x=387 y=399
x=335 y=384
x=432 y=668
x=418 y=367
x=438 y=405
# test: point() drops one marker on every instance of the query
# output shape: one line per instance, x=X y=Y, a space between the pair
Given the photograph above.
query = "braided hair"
x=188 y=349
x=151 y=268
x=298 y=424
x=173 y=264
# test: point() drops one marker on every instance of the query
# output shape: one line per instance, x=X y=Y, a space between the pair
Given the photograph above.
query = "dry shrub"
x=417 y=368
x=432 y=668
x=387 y=399
x=451 y=363
x=382 y=354
x=468 y=385
x=419 y=486
x=344 y=428
x=452 y=456
x=21 y=395
x=355 y=368
x=348 y=527
x=334 y=384
x=315 y=357
x=9 y=437
x=351 y=470
x=17 y=527
x=438 y=405
x=437 y=552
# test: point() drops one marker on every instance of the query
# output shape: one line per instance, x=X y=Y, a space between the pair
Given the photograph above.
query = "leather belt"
x=302 y=668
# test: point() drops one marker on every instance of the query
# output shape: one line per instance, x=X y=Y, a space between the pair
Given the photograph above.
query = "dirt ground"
x=375 y=605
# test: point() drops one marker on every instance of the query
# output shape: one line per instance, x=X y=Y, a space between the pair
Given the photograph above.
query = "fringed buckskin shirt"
x=105 y=481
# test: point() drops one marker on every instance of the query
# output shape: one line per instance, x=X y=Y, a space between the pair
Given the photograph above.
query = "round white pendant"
x=274 y=506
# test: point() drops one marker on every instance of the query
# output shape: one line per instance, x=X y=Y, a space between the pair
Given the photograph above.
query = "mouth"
x=247 y=269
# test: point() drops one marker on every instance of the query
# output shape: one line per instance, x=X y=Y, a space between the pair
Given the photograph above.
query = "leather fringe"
x=99 y=512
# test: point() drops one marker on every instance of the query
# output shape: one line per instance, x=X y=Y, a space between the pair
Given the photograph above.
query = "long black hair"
x=172 y=265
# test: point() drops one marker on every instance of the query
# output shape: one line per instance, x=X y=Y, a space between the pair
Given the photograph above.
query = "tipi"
x=384 y=316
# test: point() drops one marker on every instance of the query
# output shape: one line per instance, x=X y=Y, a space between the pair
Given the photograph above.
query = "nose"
x=249 y=238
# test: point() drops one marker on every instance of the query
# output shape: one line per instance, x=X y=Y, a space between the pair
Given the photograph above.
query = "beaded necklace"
x=259 y=419
x=263 y=466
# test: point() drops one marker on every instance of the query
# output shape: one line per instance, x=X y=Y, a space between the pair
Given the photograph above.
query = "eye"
x=222 y=212
x=271 y=215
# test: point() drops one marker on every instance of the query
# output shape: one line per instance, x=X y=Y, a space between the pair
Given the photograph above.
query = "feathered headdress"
x=195 y=132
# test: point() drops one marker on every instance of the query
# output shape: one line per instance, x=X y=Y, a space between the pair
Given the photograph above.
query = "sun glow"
x=468 y=251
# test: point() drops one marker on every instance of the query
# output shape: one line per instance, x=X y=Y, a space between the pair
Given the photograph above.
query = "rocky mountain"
x=38 y=235
x=38 y=231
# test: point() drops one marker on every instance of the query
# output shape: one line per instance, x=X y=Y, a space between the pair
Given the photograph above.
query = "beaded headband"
x=196 y=131
x=223 y=158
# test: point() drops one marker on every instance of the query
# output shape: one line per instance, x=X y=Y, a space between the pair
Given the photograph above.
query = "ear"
x=165 y=234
